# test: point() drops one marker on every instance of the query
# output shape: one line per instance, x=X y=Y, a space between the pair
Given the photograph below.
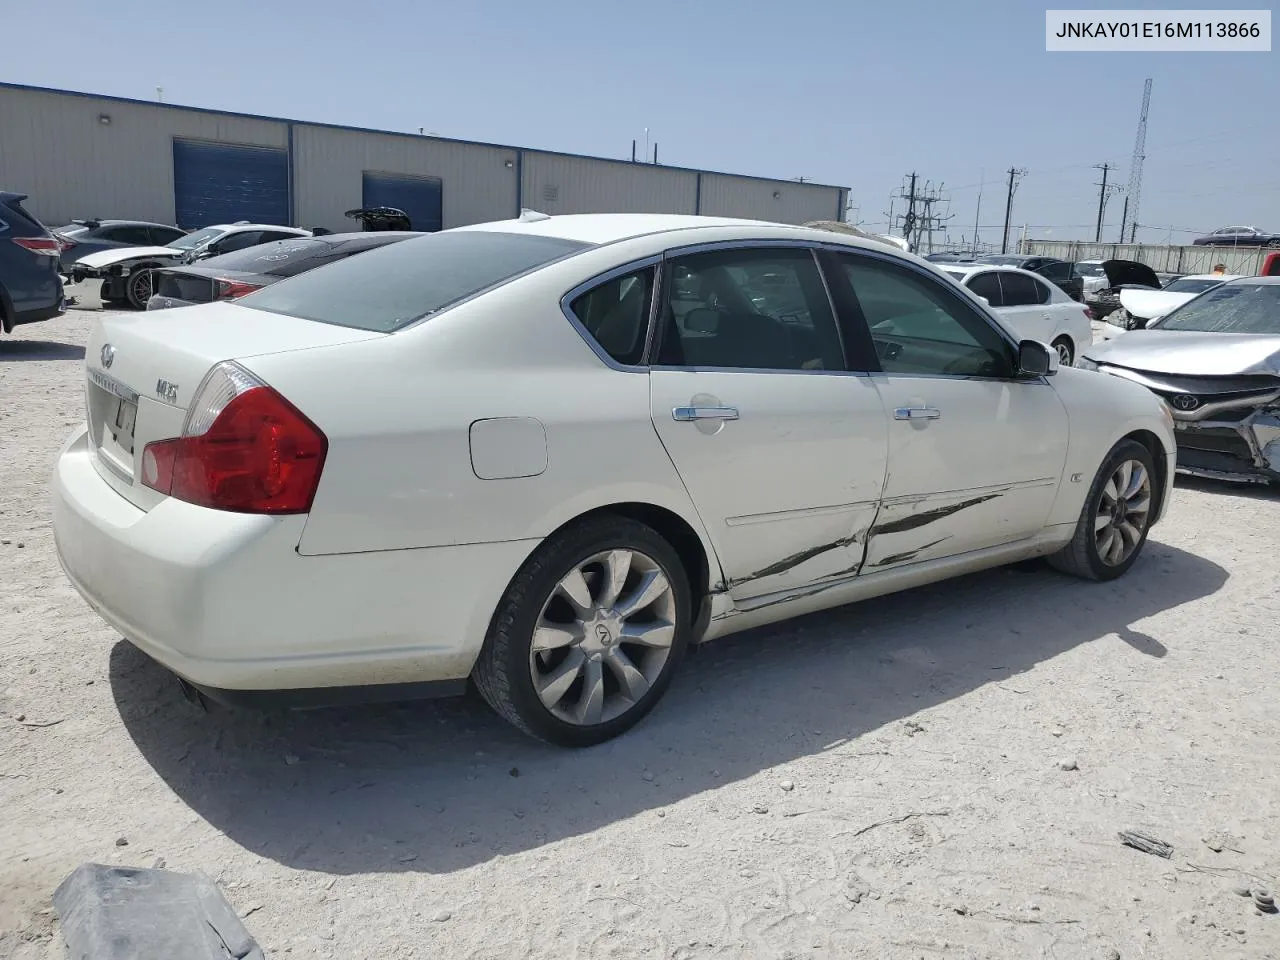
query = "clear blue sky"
x=842 y=91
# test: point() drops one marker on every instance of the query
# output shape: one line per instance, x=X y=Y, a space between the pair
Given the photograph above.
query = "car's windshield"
x=1189 y=285
x=1230 y=308
x=1087 y=269
x=193 y=240
x=393 y=286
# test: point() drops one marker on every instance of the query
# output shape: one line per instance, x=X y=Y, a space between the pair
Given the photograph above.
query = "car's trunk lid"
x=110 y=258
x=143 y=369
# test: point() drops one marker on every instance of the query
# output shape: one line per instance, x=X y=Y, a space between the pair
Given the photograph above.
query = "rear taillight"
x=1089 y=314
x=46 y=246
x=243 y=448
x=64 y=243
x=231 y=289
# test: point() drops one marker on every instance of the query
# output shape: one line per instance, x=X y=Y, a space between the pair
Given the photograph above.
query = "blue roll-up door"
x=422 y=198
x=226 y=182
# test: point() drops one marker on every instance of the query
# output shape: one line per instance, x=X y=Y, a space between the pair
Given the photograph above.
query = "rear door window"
x=616 y=315
x=391 y=287
x=1019 y=289
x=239 y=241
x=988 y=285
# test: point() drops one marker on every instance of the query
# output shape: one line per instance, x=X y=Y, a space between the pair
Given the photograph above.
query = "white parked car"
x=1032 y=306
x=548 y=454
x=125 y=272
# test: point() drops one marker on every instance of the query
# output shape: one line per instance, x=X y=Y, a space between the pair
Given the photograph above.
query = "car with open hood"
x=1120 y=274
x=1215 y=362
x=1140 y=305
x=126 y=272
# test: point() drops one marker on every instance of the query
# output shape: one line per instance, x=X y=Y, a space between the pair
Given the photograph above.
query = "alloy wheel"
x=1064 y=353
x=603 y=637
x=140 y=287
x=1123 y=511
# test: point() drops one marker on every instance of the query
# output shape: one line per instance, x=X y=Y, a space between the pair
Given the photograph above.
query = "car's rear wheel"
x=1116 y=516
x=138 y=288
x=1066 y=355
x=589 y=633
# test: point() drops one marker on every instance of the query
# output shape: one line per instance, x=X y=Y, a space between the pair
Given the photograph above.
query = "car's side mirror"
x=1035 y=359
x=701 y=320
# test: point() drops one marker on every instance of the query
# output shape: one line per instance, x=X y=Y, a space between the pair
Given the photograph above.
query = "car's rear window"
x=388 y=288
x=270 y=258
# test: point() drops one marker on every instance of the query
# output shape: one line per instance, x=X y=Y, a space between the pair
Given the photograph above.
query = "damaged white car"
x=1215 y=361
x=549 y=454
x=126 y=272
x=1139 y=306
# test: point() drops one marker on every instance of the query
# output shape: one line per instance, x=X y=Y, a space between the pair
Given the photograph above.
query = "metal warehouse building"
x=81 y=155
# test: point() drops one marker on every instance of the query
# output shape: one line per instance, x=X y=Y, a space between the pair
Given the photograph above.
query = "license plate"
x=123 y=423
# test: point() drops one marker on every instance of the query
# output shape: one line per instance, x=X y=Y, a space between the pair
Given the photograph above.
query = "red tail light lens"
x=1089 y=314
x=245 y=449
x=64 y=243
x=231 y=289
x=47 y=246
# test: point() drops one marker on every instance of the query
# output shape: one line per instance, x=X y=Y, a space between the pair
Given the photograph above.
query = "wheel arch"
x=695 y=553
x=1160 y=461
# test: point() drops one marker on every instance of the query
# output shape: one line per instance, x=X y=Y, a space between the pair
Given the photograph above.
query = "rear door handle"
x=917 y=413
x=685 y=414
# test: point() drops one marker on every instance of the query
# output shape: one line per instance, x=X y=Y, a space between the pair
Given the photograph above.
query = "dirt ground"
x=885 y=781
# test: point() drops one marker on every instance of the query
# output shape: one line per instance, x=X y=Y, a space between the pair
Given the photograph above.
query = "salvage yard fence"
x=1162 y=259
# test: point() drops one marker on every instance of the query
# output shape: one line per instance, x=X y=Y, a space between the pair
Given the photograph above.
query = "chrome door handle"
x=684 y=414
x=917 y=413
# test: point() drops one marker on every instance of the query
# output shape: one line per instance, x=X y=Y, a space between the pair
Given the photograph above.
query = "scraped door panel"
x=789 y=486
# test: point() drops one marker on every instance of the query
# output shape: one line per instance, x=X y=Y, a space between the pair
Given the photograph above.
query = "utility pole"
x=1123 y=217
x=1014 y=173
x=909 y=222
x=1102 y=198
x=976 y=213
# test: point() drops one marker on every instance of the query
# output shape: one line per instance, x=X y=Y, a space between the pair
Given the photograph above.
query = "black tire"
x=1081 y=557
x=502 y=672
x=137 y=288
x=1063 y=344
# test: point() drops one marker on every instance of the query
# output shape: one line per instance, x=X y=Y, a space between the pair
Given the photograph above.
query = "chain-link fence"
x=1163 y=259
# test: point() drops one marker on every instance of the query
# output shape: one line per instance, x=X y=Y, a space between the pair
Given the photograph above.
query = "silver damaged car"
x=1215 y=361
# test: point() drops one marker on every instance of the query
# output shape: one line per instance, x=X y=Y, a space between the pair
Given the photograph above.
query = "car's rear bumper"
x=225 y=601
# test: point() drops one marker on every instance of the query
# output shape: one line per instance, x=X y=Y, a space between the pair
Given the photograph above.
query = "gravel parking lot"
x=937 y=774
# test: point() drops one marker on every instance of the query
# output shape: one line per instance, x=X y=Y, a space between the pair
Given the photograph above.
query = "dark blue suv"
x=30 y=285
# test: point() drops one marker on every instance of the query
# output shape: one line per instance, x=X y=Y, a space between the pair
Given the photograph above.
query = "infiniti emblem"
x=108 y=354
x=602 y=634
x=1185 y=401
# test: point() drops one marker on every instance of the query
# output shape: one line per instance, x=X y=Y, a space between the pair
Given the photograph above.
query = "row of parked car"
x=135 y=260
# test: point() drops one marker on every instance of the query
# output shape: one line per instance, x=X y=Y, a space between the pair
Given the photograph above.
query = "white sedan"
x=550 y=453
x=1032 y=306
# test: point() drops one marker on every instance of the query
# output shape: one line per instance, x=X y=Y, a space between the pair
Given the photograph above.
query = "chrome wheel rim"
x=142 y=286
x=1064 y=354
x=603 y=637
x=1122 y=513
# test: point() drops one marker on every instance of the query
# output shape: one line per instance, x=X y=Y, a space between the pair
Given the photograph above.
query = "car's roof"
x=1266 y=281
x=971 y=268
x=253 y=226
x=600 y=228
x=1224 y=277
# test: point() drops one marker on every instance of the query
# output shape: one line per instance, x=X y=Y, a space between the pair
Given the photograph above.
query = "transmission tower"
x=920 y=222
x=1134 y=193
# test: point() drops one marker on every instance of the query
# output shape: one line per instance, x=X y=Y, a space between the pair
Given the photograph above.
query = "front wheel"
x=1065 y=354
x=589 y=633
x=138 y=288
x=1116 y=516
